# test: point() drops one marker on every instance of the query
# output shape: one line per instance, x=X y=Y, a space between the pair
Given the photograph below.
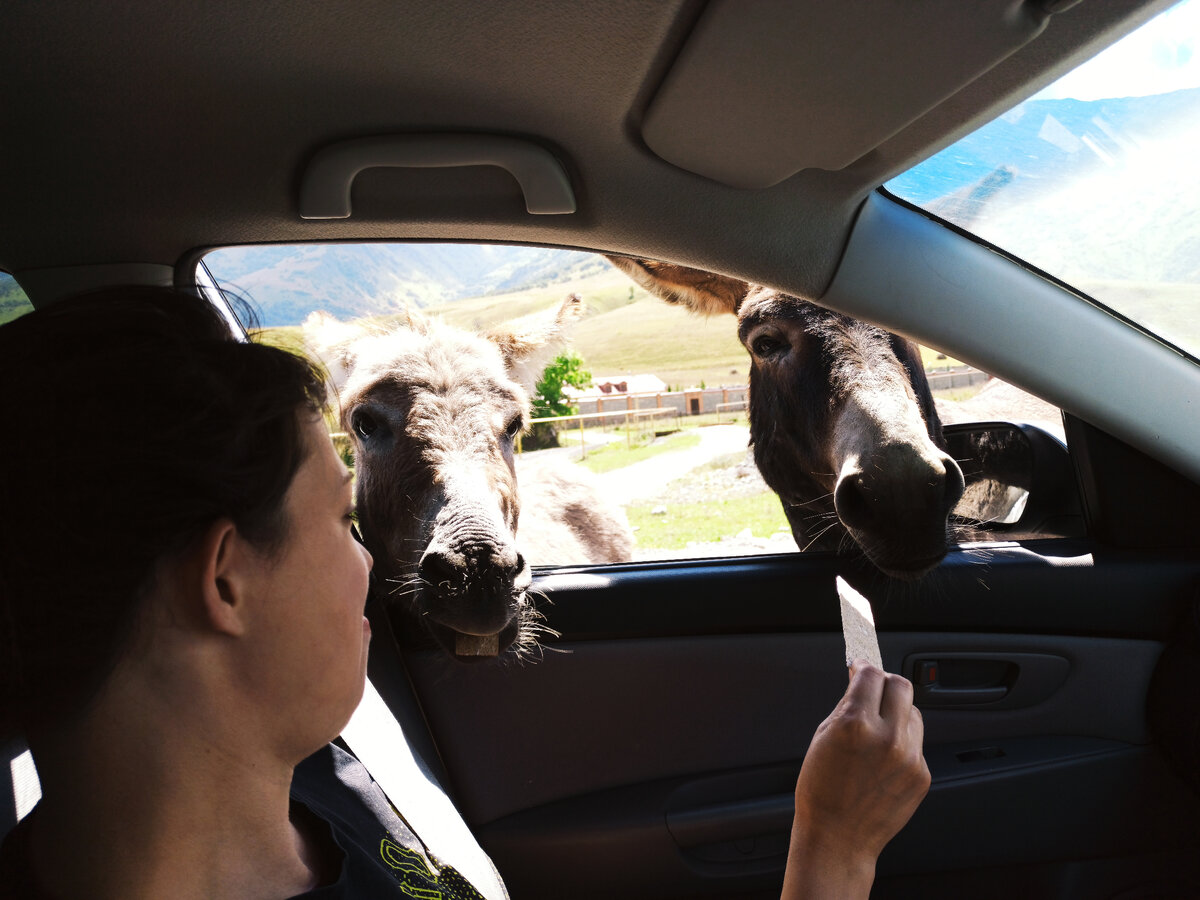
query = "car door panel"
x=665 y=728
x=628 y=712
x=680 y=838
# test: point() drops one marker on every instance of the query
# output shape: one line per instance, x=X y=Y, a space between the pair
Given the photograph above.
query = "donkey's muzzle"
x=898 y=513
x=475 y=590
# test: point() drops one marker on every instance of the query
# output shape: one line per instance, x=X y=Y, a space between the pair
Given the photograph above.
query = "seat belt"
x=376 y=738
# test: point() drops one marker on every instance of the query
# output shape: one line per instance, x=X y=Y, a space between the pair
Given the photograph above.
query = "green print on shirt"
x=418 y=879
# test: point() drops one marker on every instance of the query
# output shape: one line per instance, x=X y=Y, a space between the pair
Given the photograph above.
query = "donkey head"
x=434 y=413
x=841 y=418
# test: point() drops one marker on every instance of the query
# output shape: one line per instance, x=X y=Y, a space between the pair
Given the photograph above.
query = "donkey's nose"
x=871 y=502
x=453 y=567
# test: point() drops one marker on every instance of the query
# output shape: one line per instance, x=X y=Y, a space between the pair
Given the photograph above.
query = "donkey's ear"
x=701 y=292
x=529 y=342
x=333 y=343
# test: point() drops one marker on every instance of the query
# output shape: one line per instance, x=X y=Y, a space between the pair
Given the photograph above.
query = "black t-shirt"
x=380 y=856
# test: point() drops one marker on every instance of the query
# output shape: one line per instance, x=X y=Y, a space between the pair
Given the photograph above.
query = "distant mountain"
x=1088 y=190
x=1069 y=135
x=286 y=282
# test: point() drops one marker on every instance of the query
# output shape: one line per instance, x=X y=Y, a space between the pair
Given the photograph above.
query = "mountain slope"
x=348 y=280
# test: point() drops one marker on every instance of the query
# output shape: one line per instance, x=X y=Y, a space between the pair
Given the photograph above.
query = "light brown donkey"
x=434 y=413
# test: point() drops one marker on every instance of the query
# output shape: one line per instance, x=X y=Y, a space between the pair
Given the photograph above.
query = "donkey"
x=434 y=413
x=842 y=420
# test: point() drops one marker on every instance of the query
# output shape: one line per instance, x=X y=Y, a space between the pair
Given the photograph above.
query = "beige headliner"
x=136 y=133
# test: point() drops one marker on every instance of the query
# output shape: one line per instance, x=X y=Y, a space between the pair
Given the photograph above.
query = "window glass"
x=1094 y=180
x=659 y=394
x=13 y=302
x=647 y=400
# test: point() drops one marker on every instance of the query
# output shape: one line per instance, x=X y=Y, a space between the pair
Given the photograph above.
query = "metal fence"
x=624 y=416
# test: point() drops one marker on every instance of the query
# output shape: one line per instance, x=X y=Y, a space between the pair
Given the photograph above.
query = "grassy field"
x=1166 y=309
x=627 y=331
x=674 y=526
x=624 y=331
x=618 y=454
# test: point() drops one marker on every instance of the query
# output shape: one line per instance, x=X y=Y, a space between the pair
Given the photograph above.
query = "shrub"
x=549 y=398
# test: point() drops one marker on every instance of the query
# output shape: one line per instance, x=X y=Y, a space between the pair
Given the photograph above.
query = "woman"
x=182 y=630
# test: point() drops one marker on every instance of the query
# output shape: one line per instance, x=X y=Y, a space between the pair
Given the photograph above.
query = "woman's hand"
x=863 y=777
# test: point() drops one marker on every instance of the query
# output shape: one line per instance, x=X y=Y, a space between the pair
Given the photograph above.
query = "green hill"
x=624 y=331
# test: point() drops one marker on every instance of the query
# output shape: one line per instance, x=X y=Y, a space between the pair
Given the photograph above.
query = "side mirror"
x=1019 y=481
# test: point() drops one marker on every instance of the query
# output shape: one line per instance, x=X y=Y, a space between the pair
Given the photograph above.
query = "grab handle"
x=325 y=186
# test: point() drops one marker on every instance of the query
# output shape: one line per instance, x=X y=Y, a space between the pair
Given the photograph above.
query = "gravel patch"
x=725 y=477
x=730 y=476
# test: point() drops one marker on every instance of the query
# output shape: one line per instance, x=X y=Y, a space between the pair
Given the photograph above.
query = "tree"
x=550 y=399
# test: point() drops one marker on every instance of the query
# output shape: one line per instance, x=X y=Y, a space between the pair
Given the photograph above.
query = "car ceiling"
x=138 y=133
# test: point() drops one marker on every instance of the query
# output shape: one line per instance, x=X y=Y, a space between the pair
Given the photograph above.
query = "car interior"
x=652 y=747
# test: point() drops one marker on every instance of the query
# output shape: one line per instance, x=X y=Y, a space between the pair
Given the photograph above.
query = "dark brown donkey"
x=841 y=418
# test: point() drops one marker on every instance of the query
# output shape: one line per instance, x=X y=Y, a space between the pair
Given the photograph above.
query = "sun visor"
x=761 y=90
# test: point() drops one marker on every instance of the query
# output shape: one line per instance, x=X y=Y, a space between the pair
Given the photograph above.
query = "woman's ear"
x=227 y=567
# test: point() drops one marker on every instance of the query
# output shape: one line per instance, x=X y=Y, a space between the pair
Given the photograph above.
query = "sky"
x=1161 y=56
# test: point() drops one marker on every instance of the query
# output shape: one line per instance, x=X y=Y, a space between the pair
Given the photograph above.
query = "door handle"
x=981 y=679
x=935 y=695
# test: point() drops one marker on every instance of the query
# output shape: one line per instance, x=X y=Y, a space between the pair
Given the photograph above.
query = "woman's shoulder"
x=380 y=854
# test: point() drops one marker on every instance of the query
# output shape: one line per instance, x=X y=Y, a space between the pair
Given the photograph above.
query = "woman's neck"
x=155 y=802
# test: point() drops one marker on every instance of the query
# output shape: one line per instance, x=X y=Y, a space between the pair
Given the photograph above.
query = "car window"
x=649 y=400
x=636 y=393
x=1093 y=180
x=13 y=302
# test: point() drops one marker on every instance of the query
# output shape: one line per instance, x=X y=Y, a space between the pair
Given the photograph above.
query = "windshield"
x=1094 y=180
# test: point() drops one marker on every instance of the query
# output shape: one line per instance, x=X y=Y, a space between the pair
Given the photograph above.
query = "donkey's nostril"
x=436 y=568
x=854 y=503
x=955 y=484
x=512 y=564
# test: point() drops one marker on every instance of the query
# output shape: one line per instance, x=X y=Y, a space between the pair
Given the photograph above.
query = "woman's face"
x=310 y=636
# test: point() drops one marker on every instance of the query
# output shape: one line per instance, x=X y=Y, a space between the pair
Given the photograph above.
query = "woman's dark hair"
x=133 y=420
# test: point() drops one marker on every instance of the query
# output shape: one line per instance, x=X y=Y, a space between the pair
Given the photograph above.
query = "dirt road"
x=648 y=478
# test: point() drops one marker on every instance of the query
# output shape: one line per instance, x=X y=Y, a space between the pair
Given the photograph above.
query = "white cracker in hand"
x=858 y=626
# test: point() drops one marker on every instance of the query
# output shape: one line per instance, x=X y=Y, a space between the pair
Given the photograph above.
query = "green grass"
x=929 y=357
x=705 y=522
x=649 y=336
x=1166 y=309
x=617 y=455
x=958 y=395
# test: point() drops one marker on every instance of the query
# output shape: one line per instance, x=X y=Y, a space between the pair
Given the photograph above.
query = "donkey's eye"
x=513 y=429
x=765 y=345
x=363 y=423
